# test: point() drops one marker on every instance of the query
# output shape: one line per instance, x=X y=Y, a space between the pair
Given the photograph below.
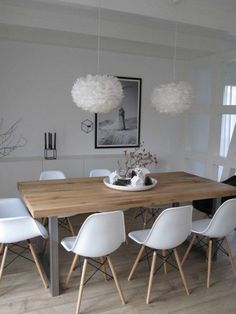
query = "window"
x=227 y=127
x=229 y=96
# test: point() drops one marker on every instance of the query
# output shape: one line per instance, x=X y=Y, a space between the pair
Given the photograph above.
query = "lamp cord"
x=175 y=49
x=99 y=36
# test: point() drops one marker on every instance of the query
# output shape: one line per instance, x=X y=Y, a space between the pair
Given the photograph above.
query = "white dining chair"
x=104 y=173
x=17 y=225
x=17 y=210
x=217 y=228
x=100 y=235
x=170 y=229
x=99 y=173
x=64 y=221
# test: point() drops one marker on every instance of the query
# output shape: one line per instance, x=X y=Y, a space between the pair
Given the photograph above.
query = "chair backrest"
x=99 y=173
x=171 y=228
x=24 y=228
x=100 y=234
x=52 y=175
x=16 y=224
x=224 y=220
x=12 y=207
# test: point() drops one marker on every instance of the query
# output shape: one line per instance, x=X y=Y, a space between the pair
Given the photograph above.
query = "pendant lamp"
x=175 y=97
x=97 y=93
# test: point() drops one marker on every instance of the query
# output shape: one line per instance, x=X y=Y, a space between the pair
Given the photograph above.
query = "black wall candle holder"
x=50 y=145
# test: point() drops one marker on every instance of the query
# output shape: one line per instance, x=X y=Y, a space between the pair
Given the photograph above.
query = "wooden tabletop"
x=58 y=197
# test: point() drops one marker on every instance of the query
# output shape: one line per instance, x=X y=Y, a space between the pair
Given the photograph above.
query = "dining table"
x=54 y=198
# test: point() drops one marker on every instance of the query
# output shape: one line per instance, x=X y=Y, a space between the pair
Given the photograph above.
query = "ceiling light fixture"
x=175 y=97
x=97 y=93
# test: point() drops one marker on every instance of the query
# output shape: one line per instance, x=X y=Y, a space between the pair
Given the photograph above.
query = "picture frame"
x=121 y=127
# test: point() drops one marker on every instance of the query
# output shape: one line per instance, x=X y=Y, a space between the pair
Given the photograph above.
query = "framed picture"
x=121 y=126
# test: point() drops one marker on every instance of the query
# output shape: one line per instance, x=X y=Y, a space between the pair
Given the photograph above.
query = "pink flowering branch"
x=138 y=158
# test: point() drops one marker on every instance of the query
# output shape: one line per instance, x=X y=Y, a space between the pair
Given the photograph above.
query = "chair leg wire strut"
x=211 y=252
x=99 y=266
x=20 y=254
x=165 y=259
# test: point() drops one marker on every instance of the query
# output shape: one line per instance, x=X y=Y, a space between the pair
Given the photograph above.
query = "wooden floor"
x=21 y=290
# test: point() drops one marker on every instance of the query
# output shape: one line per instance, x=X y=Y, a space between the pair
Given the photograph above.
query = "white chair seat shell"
x=139 y=236
x=170 y=229
x=199 y=226
x=13 y=207
x=16 y=225
x=68 y=243
x=222 y=223
x=99 y=173
x=218 y=228
x=100 y=235
x=16 y=229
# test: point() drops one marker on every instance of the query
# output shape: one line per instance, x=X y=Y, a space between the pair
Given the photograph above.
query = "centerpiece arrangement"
x=132 y=171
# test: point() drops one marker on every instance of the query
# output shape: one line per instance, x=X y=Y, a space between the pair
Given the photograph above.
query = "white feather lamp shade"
x=172 y=98
x=97 y=93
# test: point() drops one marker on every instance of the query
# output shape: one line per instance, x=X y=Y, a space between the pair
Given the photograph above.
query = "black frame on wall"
x=121 y=127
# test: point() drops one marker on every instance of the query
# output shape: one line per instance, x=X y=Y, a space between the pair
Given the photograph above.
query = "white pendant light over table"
x=175 y=97
x=97 y=93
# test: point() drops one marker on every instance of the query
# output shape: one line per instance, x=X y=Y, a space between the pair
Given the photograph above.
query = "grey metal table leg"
x=53 y=256
x=216 y=205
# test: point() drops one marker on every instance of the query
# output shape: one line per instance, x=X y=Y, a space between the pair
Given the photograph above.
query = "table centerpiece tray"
x=129 y=188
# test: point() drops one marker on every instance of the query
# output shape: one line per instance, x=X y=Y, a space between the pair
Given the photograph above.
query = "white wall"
x=35 y=84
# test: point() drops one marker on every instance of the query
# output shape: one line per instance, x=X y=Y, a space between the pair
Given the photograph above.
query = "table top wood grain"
x=84 y=195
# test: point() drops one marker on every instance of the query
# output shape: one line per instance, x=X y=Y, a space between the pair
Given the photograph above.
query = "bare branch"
x=9 y=140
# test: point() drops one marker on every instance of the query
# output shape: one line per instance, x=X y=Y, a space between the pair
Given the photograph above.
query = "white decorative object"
x=172 y=98
x=139 y=172
x=137 y=181
x=113 y=177
x=129 y=188
x=175 y=97
x=97 y=93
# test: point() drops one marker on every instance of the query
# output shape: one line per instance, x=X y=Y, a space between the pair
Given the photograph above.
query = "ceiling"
x=205 y=27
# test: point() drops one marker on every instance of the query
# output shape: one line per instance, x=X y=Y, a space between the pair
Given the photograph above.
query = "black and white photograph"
x=121 y=126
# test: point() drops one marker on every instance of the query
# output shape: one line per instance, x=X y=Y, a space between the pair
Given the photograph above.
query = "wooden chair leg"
x=136 y=262
x=116 y=280
x=209 y=263
x=188 y=249
x=164 y=261
x=145 y=218
x=3 y=260
x=103 y=267
x=228 y=249
x=45 y=246
x=71 y=270
x=181 y=271
x=1 y=247
x=70 y=226
x=81 y=285
x=37 y=263
x=136 y=212
x=151 y=276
